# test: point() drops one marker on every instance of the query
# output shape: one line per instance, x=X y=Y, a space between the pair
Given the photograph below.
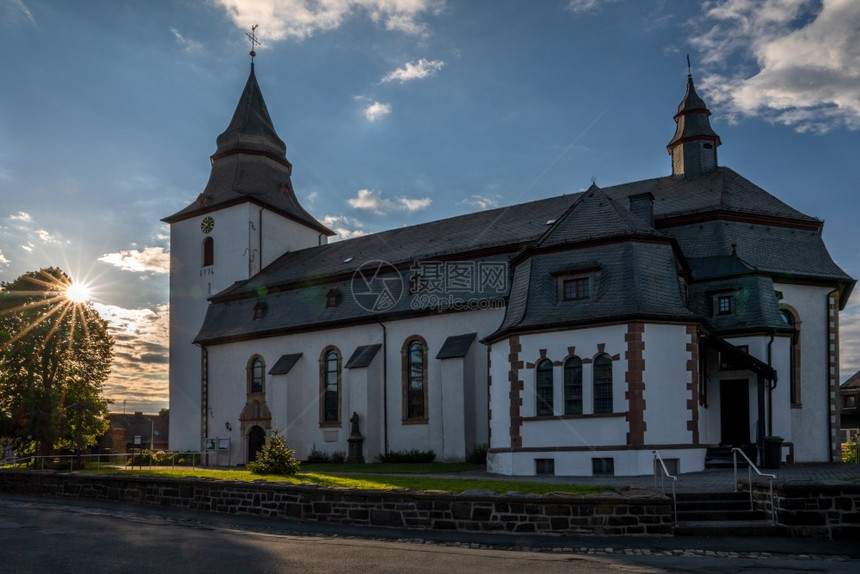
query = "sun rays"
x=54 y=296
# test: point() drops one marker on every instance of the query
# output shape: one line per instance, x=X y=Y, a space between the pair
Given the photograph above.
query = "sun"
x=78 y=293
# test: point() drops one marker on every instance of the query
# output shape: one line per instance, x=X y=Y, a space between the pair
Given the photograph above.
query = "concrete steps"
x=722 y=514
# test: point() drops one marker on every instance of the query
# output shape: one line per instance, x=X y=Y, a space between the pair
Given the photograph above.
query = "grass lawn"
x=390 y=477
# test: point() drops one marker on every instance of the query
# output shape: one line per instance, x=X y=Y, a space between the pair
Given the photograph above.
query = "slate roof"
x=362 y=356
x=692 y=118
x=285 y=363
x=456 y=346
x=250 y=164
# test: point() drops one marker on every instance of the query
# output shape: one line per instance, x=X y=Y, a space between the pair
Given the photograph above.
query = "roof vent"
x=550 y=221
x=347 y=260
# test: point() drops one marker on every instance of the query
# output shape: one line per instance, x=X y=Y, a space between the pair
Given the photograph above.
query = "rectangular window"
x=545 y=466
x=579 y=288
x=603 y=466
x=850 y=401
x=724 y=305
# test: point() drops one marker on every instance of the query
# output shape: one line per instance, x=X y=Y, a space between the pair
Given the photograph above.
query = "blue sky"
x=397 y=112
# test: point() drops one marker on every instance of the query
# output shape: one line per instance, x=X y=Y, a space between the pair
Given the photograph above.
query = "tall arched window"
x=256 y=375
x=789 y=317
x=208 y=252
x=330 y=365
x=543 y=388
x=602 y=384
x=573 y=386
x=414 y=356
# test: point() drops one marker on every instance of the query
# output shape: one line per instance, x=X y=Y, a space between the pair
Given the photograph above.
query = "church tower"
x=694 y=146
x=247 y=216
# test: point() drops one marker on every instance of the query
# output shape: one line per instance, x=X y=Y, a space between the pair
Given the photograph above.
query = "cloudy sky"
x=397 y=112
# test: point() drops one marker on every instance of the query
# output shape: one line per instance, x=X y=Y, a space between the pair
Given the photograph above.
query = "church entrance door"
x=734 y=412
x=256 y=440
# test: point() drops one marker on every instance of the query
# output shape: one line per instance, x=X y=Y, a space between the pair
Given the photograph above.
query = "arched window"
x=543 y=388
x=573 y=386
x=602 y=384
x=330 y=365
x=256 y=375
x=414 y=358
x=208 y=252
x=789 y=317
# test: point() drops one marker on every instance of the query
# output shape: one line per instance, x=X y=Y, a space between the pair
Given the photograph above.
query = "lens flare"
x=78 y=293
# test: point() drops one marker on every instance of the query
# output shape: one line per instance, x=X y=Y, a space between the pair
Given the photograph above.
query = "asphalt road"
x=59 y=536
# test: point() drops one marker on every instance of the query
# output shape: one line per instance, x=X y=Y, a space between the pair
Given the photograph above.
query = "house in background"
x=574 y=335
x=849 y=405
x=136 y=431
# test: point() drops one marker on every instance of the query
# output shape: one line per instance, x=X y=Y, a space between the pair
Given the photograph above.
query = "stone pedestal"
x=355 y=449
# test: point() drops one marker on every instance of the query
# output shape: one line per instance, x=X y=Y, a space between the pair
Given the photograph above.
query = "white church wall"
x=190 y=285
x=810 y=418
x=666 y=380
x=281 y=234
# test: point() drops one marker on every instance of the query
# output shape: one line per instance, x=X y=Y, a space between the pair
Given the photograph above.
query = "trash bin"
x=772 y=451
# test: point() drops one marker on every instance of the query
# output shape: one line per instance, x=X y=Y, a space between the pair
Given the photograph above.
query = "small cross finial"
x=254 y=42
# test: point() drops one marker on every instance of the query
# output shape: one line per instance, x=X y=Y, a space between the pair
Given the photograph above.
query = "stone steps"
x=722 y=514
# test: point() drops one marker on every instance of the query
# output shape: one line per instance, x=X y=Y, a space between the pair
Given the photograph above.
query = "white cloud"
x=150 y=259
x=482 y=202
x=371 y=201
x=21 y=216
x=345 y=227
x=187 y=44
x=28 y=247
x=799 y=63
x=300 y=19
x=3 y=260
x=414 y=71
x=580 y=6
x=14 y=11
x=47 y=237
x=376 y=111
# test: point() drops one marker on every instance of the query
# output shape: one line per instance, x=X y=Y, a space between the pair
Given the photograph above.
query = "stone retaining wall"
x=813 y=510
x=475 y=510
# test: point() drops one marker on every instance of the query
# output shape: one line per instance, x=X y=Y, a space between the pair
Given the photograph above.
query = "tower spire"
x=694 y=146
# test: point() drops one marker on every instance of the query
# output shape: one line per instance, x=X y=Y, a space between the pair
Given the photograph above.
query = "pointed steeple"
x=250 y=164
x=251 y=128
x=694 y=146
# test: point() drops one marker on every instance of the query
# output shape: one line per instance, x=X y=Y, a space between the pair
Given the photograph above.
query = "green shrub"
x=318 y=457
x=407 y=456
x=338 y=457
x=849 y=454
x=275 y=457
x=477 y=455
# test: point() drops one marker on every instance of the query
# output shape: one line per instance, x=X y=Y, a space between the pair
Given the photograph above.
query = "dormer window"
x=332 y=298
x=576 y=288
x=260 y=310
x=724 y=305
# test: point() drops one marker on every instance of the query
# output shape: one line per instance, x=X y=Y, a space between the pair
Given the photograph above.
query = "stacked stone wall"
x=471 y=511
x=813 y=510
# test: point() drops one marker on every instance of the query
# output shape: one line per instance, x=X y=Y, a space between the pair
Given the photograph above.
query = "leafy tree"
x=55 y=356
x=275 y=457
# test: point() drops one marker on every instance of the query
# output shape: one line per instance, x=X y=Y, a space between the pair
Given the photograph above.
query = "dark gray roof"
x=754 y=305
x=705 y=215
x=633 y=279
x=250 y=164
x=362 y=356
x=456 y=346
x=285 y=363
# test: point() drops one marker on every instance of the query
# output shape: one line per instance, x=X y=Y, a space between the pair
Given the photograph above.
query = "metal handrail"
x=663 y=475
x=752 y=467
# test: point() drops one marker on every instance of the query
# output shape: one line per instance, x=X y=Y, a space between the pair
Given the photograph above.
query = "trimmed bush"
x=477 y=455
x=275 y=457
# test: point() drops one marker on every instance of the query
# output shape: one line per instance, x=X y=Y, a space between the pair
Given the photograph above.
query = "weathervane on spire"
x=689 y=67
x=254 y=42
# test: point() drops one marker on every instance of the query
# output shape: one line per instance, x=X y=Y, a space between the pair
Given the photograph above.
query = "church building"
x=572 y=335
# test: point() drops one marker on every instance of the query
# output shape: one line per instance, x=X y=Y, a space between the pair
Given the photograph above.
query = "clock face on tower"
x=207 y=224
